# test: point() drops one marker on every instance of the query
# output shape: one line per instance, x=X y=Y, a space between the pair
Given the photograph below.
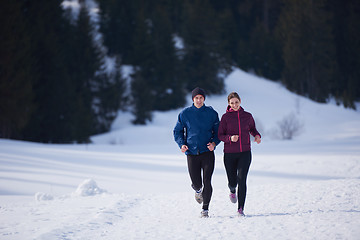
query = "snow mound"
x=88 y=188
x=39 y=196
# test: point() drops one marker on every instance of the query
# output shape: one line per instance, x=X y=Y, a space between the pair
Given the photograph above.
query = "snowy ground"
x=132 y=183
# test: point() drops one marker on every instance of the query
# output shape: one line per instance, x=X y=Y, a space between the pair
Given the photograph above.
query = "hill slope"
x=132 y=183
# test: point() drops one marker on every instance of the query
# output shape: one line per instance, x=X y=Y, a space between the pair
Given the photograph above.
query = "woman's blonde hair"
x=233 y=95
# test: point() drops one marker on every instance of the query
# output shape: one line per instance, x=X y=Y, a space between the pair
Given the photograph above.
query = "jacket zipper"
x=239 y=131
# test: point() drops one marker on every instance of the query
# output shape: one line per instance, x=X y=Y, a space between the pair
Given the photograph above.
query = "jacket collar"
x=229 y=109
x=202 y=107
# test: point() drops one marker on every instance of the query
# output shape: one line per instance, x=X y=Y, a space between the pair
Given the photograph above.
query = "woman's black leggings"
x=206 y=163
x=237 y=167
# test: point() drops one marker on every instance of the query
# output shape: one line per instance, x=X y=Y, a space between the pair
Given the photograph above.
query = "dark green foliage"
x=149 y=47
x=84 y=61
x=108 y=97
x=61 y=94
x=346 y=22
x=167 y=85
x=264 y=53
x=16 y=70
x=118 y=26
x=54 y=92
x=55 y=87
x=142 y=97
x=203 y=61
x=308 y=48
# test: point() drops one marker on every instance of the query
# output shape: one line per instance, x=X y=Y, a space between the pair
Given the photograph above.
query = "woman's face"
x=234 y=104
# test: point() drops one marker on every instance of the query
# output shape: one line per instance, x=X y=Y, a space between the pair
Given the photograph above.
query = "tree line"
x=54 y=85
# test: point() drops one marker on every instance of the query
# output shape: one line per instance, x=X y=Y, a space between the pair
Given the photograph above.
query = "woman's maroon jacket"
x=230 y=124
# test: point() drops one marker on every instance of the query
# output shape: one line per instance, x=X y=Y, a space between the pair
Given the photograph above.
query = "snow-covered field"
x=132 y=183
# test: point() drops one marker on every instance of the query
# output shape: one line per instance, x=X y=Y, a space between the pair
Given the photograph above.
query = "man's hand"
x=211 y=146
x=184 y=148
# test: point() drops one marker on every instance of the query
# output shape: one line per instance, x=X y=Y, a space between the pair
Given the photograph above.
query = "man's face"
x=199 y=101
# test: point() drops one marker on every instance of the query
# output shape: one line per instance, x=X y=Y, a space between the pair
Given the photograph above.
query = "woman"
x=234 y=129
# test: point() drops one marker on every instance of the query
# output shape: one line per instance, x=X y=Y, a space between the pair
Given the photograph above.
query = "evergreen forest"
x=56 y=85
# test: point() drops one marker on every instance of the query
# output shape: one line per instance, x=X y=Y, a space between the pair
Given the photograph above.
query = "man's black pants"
x=205 y=162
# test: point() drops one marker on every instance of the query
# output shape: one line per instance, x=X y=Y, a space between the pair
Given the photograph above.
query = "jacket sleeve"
x=179 y=132
x=216 y=130
x=222 y=131
x=252 y=128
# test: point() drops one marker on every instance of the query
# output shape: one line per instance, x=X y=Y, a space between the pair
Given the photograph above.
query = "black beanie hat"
x=198 y=91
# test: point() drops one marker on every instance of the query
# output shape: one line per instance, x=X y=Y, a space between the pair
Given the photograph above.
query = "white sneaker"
x=205 y=213
x=198 y=196
x=233 y=197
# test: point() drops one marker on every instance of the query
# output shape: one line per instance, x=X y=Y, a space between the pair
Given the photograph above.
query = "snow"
x=132 y=183
x=88 y=188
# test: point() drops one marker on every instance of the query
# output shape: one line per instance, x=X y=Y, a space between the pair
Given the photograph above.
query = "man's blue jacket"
x=196 y=127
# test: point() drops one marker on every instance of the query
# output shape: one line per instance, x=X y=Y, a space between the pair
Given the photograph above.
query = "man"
x=196 y=134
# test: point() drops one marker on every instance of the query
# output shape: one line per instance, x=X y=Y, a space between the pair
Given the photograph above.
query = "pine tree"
x=142 y=98
x=265 y=53
x=347 y=33
x=117 y=23
x=99 y=94
x=203 y=62
x=85 y=60
x=244 y=20
x=263 y=50
x=352 y=33
x=108 y=98
x=16 y=70
x=143 y=79
x=166 y=84
x=308 y=50
x=54 y=92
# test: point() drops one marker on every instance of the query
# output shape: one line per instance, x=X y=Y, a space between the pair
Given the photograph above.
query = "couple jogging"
x=198 y=131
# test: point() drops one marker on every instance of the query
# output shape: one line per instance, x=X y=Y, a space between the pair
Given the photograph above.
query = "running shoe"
x=233 y=197
x=198 y=196
x=241 y=213
x=205 y=213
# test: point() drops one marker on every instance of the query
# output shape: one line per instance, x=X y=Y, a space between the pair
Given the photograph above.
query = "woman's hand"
x=257 y=139
x=234 y=138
